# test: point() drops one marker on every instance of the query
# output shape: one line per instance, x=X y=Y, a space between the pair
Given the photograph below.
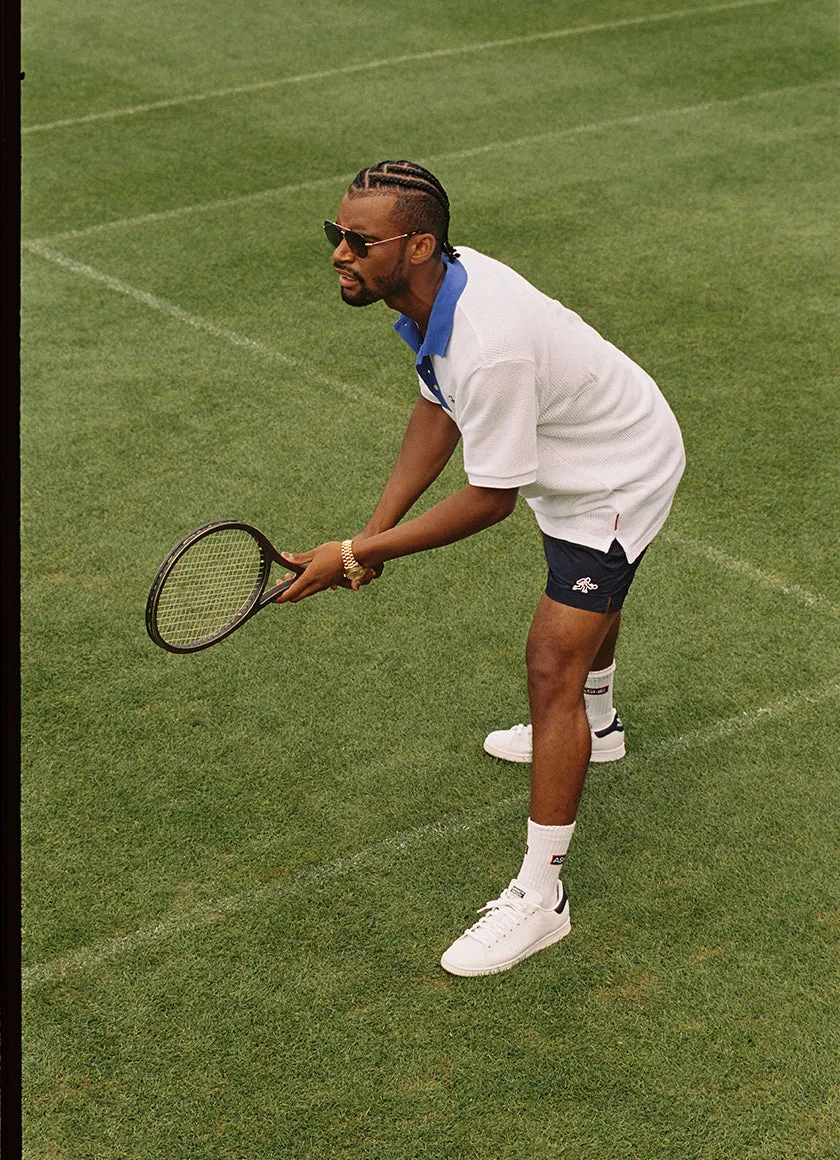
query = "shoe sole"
x=546 y=941
x=614 y=754
x=505 y=756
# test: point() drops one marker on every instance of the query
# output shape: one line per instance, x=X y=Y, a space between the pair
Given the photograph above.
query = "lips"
x=345 y=277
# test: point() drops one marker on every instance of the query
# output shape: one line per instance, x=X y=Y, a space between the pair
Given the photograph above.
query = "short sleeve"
x=497 y=415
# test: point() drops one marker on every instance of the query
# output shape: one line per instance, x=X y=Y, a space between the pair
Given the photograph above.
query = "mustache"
x=340 y=268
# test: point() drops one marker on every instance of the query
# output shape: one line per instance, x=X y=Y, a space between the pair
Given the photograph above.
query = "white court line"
x=201 y=207
x=92 y=957
x=739 y=722
x=637 y=119
x=454 y=155
x=408 y=58
x=201 y=324
x=767 y=580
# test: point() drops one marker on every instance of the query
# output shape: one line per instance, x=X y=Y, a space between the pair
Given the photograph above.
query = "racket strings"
x=212 y=584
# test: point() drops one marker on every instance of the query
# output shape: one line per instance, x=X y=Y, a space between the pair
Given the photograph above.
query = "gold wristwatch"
x=353 y=570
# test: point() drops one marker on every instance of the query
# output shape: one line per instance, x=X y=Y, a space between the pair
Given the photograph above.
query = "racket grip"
x=275 y=591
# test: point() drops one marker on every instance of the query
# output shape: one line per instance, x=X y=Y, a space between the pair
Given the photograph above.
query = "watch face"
x=354 y=570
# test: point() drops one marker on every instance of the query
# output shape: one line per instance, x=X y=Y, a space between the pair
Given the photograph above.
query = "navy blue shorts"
x=586 y=578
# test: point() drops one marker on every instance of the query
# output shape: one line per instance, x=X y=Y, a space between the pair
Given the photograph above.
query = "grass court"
x=240 y=868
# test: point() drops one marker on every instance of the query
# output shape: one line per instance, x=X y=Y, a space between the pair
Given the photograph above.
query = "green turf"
x=240 y=868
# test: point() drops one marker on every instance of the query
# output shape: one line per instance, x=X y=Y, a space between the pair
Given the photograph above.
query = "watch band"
x=353 y=570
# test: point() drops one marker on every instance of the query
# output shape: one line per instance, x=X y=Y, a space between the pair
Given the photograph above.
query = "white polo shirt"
x=546 y=405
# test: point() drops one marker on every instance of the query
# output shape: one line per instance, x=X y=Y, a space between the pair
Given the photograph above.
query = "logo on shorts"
x=584 y=585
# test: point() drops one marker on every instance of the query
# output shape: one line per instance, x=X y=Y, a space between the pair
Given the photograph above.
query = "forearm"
x=430 y=439
x=460 y=515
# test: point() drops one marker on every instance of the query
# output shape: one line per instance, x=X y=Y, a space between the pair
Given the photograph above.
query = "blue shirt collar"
x=439 y=329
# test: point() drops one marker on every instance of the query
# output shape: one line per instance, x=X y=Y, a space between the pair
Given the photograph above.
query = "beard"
x=359 y=295
x=382 y=287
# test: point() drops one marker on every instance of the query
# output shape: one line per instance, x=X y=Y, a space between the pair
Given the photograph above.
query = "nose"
x=342 y=252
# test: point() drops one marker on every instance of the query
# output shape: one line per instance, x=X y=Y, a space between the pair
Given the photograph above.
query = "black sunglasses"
x=356 y=241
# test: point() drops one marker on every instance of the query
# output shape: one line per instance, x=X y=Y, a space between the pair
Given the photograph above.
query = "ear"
x=421 y=248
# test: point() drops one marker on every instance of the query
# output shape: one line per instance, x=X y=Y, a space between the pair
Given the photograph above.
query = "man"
x=549 y=410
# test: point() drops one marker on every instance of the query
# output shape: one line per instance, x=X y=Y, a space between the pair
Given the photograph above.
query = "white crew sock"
x=544 y=856
x=598 y=697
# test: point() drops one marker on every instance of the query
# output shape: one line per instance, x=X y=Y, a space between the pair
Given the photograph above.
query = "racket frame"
x=260 y=596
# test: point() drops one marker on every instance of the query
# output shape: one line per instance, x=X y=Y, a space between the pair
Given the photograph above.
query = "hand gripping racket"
x=211 y=582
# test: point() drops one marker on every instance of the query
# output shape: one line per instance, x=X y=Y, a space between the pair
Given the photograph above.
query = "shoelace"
x=505 y=913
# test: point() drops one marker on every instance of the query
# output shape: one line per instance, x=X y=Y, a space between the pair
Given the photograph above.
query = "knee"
x=554 y=675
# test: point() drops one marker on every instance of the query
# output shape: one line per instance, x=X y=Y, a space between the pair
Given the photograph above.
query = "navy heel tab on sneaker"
x=563 y=903
x=615 y=726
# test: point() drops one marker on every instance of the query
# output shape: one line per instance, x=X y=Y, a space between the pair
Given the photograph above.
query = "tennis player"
x=547 y=409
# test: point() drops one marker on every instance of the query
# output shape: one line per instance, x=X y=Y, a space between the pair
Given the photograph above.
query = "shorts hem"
x=603 y=604
x=587 y=578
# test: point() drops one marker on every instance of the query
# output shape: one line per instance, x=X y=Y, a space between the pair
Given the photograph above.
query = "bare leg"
x=606 y=653
x=562 y=645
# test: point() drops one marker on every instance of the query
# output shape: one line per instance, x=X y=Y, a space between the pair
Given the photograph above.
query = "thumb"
x=296 y=561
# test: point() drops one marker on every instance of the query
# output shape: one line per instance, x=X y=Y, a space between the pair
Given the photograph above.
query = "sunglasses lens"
x=355 y=241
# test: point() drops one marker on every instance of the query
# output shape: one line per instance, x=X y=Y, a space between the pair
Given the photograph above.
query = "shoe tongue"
x=516 y=889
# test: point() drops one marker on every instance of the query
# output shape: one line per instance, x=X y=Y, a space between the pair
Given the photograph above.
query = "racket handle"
x=275 y=591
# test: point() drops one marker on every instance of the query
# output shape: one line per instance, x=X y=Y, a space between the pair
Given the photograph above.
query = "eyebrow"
x=361 y=233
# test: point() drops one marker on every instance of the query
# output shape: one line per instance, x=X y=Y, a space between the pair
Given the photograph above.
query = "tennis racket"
x=211 y=582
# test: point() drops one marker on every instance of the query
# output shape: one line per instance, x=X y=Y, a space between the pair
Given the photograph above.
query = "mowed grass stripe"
x=197 y=323
x=92 y=957
x=391 y=62
x=633 y=119
x=342 y=179
x=767 y=580
x=313 y=1020
x=707 y=551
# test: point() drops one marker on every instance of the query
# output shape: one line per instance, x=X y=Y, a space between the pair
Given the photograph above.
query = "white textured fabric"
x=544 y=856
x=598 y=697
x=546 y=405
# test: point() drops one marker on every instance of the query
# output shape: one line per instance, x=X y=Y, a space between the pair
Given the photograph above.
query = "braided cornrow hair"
x=421 y=199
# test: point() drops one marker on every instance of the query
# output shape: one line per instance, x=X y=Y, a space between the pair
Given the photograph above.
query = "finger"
x=295 y=591
x=279 y=587
x=296 y=561
x=307 y=584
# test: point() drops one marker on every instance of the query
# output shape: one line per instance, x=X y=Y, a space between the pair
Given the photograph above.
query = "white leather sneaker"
x=515 y=744
x=515 y=926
